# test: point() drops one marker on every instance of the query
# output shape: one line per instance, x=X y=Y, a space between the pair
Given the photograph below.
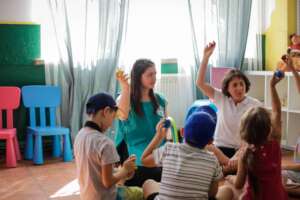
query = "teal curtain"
x=233 y=19
x=89 y=35
x=227 y=23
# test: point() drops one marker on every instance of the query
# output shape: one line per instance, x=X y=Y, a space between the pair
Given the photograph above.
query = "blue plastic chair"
x=44 y=99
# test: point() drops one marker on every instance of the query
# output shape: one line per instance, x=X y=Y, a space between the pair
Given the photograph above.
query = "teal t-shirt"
x=138 y=131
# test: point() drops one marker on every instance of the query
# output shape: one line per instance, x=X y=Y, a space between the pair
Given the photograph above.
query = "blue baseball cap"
x=199 y=129
x=100 y=101
x=208 y=109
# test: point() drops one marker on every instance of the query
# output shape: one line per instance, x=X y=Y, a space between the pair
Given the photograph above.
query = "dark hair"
x=255 y=129
x=139 y=67
x=234 y=73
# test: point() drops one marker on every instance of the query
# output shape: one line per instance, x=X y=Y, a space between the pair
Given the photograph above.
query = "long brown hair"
x=255 y=129
x=139 y=67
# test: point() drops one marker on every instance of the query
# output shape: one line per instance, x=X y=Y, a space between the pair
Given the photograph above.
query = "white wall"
x=15 y=11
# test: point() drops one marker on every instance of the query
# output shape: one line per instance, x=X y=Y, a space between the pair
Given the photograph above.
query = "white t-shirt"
x=187 y=171
x=92 y=150
x=229 y=118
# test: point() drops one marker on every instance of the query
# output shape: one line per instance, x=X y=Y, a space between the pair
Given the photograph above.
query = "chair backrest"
x=43 y=97
x=9 y=100
x=217 y=75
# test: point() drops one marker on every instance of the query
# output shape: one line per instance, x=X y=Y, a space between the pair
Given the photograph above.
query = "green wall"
x=19 y=46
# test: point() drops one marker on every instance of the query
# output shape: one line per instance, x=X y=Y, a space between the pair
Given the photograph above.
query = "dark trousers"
x=229 y=152
x=144 y=173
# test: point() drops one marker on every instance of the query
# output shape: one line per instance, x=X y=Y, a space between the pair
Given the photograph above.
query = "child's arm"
x=124 y=101
x=296 y=75
x=240 y=178
x=213 y=190
x=222 y=158
x=276 y=109
x=109 y=178
x=291 y=166
x=206 y=88
x=147 y=157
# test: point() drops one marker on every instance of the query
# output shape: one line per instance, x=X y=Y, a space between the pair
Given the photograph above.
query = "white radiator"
x=178 y=90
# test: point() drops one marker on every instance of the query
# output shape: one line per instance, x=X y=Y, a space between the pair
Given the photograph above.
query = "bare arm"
x=124 y=101
x=110 y=178
x=222 y=158
x=240 y=178
x=213 y=190
x=291 y=166
x=147 y=157
x=205 y=87
x=276 y=109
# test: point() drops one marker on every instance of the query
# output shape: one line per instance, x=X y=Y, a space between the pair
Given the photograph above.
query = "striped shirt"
x=187 y=171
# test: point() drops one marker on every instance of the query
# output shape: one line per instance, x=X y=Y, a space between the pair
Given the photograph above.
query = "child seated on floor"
x=95 y=155
x=189 y=170
x=259 y=165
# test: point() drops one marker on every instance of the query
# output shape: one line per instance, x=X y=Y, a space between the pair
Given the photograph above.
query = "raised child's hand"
x=275 y=79
x=122 y=78
x=209 y=49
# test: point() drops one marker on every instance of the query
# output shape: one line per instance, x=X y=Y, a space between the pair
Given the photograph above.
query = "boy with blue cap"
x=189 y=170
x=95 y=153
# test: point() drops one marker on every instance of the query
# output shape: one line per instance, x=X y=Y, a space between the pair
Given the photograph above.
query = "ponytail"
x=253 y=179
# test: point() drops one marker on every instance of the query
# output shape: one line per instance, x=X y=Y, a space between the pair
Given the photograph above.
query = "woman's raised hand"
x=123 y=79
x=209 y=49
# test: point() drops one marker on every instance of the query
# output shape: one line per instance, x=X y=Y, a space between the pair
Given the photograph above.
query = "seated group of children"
x=192 y=169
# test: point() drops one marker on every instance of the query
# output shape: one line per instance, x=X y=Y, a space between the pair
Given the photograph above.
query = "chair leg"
x=56 y=152
x=67 y=149
x=29 y=146
x=11 y=160
x=17 y=148
x=38 y=150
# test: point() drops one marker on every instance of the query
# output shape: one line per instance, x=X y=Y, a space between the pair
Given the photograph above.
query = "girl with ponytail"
x=259 y=166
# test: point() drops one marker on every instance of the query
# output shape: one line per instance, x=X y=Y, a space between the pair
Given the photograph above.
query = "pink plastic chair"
x=10 y=100
x=217 y=75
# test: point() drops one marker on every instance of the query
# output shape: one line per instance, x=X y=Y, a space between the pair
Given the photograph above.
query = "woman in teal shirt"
x=141 y=110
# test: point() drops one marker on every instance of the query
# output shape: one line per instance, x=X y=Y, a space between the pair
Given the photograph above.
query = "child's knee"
x=225 y=192
x=149 y=187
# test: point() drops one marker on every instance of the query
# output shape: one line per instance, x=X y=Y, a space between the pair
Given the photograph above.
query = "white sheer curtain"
x=156 y=30
x=259 y=21
x=203 y=23
x=81 y=41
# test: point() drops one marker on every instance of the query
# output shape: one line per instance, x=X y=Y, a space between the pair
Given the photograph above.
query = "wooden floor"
x=54 y=180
